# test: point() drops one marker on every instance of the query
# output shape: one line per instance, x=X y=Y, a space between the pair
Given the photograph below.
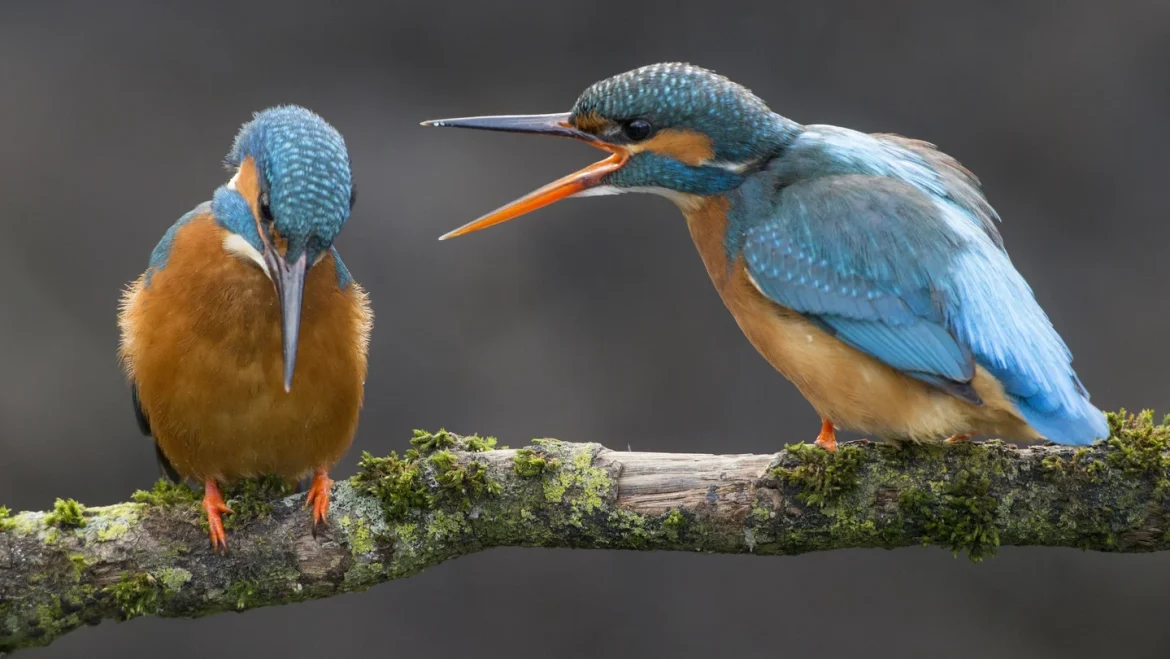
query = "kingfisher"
x=867 y=268
x=242 y=293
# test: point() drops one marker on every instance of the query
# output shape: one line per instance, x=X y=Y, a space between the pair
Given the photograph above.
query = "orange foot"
x=214 y=505
x=959 y=438
x=318 y=496
x=828 y=437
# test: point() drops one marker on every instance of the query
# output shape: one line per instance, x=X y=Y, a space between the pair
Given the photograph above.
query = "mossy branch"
x=454 y=495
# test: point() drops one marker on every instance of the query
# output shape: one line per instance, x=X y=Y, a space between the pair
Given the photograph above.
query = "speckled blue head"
x=303 y=174
x=674 y=129
x=683 y=98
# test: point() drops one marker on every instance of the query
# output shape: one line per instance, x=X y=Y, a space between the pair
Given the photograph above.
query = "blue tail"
x=1080 y=426
x=1010 y=336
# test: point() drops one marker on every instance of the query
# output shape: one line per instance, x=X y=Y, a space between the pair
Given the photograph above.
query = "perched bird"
x=867 y=269
x=241 y=294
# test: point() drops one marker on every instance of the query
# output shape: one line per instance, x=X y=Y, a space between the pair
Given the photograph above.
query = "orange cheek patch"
x=248 y=184
x=685 y=146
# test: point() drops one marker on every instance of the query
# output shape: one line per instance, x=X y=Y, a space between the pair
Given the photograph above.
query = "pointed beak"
x=539 y=124
x=289 y=279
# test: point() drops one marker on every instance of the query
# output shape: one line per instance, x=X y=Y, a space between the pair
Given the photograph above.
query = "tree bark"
x=456 y=495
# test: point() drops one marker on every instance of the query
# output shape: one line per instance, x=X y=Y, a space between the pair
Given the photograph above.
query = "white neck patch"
x=240 y=248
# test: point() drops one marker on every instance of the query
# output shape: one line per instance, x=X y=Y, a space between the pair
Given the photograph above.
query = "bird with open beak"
x=868 y=269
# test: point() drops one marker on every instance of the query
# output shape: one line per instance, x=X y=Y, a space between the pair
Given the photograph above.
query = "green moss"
x=1081 y=468
x=252 y=498
x=428 y=443
x=5 y=521
x=459 y=478
x=135 y=595
x=173 y=579
x=406 y=533
x=243 y=594
x=821 y=476
x=477 y=444
x=401 y=484
x=397 y=483
x=960 y=516
x=1139 y=447
x=632 y=528
x=916 y=509
x=673 y=524
x=66 y=513
x=529 y=463
x=365 y=574
x=78 y=563
x=166 y=494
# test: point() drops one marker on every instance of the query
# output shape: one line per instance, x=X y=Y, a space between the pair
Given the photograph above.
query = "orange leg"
x=318 y=496
x=959 y=438
x=214 y=505
x=828 y=437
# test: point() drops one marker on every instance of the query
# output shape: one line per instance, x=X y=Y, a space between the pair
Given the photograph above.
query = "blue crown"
x=303 y=165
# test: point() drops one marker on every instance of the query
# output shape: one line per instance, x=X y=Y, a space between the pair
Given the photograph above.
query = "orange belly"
x=203 y=344
x=846 y=386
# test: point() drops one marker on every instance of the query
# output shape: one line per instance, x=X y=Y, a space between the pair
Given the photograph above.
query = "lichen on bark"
x=450 y=495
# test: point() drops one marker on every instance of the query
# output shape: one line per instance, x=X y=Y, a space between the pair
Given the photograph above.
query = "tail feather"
x=1077 y=427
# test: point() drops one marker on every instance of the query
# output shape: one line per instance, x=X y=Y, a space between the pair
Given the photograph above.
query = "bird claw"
x=956 y=439
x=318 y=498
x=828 y=437
x=214 y=506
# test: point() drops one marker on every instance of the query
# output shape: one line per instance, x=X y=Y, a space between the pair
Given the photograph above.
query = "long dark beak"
x=540 y=124
x=289 y=279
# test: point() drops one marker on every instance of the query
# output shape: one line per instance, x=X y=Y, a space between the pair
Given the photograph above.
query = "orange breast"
x=203 y=344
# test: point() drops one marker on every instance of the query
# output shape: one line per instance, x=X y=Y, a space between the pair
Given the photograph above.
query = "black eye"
x=352 y=196
x=637 y=130
x=265 y=209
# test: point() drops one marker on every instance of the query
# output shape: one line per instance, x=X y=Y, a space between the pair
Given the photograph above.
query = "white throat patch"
x=240 y=248
x=685 y=201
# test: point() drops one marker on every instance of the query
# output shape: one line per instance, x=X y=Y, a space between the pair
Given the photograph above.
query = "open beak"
x=540 y=124
x=289 y=279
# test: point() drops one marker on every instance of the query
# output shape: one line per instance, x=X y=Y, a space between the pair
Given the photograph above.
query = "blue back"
x=891 y=247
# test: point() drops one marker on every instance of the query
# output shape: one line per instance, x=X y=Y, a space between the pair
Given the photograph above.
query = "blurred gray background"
x=591 y=320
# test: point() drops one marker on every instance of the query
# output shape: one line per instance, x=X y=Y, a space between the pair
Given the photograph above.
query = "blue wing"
x=915 y=279
x=858 y=255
